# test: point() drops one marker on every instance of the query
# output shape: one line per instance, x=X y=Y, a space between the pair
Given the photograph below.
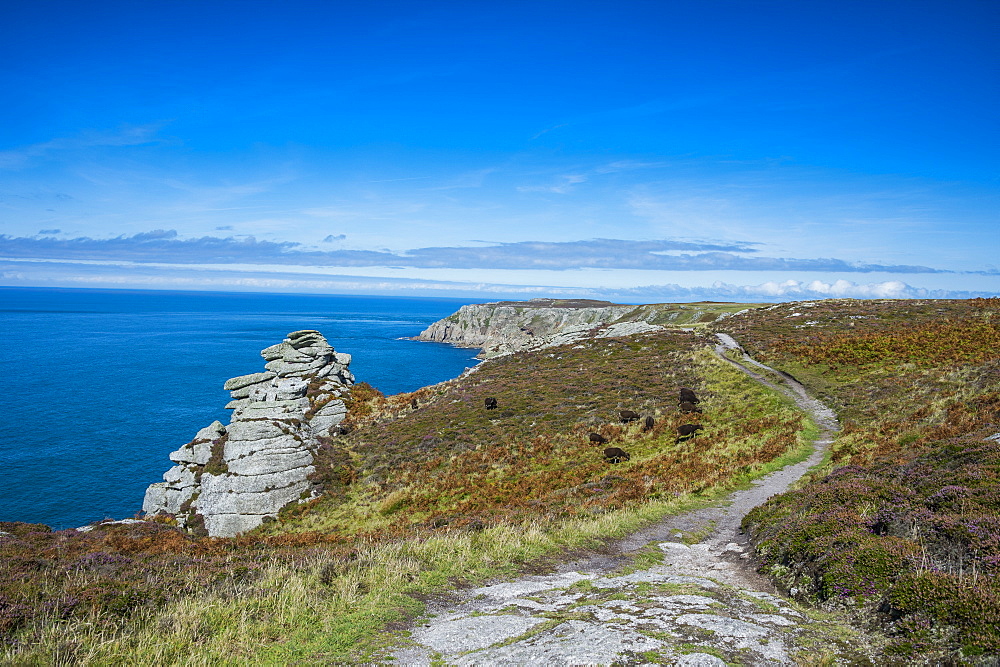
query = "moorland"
x=428 y=491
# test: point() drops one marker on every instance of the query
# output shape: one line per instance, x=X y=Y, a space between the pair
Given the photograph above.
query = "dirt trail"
x=703 y=605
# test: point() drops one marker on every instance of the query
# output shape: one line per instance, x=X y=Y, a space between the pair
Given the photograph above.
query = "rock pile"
x=230 y=478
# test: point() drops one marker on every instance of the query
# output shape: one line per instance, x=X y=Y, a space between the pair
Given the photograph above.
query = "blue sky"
x=638 y=151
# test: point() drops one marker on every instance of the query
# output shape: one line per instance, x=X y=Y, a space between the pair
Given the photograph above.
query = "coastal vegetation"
x=903 y=525
x=428 y=490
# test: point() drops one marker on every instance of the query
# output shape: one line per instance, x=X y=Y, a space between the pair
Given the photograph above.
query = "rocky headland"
x=505 y=327
x=230 y=479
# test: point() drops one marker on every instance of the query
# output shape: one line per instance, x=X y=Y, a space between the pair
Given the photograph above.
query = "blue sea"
x=99 y=386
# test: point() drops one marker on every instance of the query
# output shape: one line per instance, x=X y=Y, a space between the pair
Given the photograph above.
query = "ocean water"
x=97 y=387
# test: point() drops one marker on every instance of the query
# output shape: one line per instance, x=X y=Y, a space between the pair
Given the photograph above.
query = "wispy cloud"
x=547 y=130
x=126 y=136
x=663 y=254
x=564 y=183
x=475 y=178
x=628 y=165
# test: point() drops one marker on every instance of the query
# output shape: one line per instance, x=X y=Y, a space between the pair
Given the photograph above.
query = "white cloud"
x=789 y=290
x=890 y=289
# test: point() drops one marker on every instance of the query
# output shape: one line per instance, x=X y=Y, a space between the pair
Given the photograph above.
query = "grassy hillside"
x=418 y=500
x=905 y=528
x=430 y=491
x=452 y=461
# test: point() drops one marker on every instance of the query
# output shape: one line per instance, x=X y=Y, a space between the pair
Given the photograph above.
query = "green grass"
x=289 y=614
x=421 y=502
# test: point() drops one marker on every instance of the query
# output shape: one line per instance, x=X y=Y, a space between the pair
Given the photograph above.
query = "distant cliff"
x=504 y=327
x=229 y=479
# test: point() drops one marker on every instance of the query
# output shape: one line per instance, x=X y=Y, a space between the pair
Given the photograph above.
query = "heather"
x=451 y=461
x=418 y=500
x=428 y=490
x=903 y=528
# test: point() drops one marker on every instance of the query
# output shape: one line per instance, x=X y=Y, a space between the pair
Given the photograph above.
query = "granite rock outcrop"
x=506 y=327
x=230 y=479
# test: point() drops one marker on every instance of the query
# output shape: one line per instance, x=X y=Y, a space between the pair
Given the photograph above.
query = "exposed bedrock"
x=230 y=478
x=505 y=327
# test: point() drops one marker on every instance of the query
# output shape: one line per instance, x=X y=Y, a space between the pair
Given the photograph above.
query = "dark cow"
x=615 y=455
x=414 y=404
x=688 y=395
x=628 y=416
x=648 y=424
x=491 y=403
x=597 y=439
x=688 y=407
x=686 y=431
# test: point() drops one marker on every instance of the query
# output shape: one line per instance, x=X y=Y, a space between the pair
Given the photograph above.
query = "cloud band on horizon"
x=28 y=273
x=166 y=246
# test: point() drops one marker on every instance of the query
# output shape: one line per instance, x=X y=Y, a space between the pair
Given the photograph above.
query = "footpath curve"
x=703 y=605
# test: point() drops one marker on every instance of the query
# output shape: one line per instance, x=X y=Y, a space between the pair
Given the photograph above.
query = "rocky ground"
x=653 y=597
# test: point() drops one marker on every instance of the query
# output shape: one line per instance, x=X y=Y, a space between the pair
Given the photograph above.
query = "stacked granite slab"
x=233 y=477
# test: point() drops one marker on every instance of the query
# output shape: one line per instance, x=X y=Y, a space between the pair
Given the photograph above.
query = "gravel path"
x=704 y=604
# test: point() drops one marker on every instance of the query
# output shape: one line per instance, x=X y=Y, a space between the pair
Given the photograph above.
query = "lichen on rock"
x=228 y=479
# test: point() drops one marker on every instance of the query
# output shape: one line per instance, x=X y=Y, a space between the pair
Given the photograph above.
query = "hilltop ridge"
x=505 y=327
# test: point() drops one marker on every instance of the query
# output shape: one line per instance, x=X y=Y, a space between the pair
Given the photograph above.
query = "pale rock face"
x=233 y=384
x=199 y=450
x=231 y=524
x=328 y=416
x=234 y=476
x=168 y=495
x=501 y=328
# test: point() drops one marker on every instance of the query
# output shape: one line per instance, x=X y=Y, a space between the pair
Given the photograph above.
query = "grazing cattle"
x=615 y=455
x=648 y=424
x=491 y=403
x=414 y=404
x=688 y=395
x=597 y=439
x=628 y=416
x=686 y=431
x=687 y=407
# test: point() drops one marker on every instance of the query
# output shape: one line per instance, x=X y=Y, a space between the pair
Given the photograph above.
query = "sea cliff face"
x=505 y=327
x=229 y=479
